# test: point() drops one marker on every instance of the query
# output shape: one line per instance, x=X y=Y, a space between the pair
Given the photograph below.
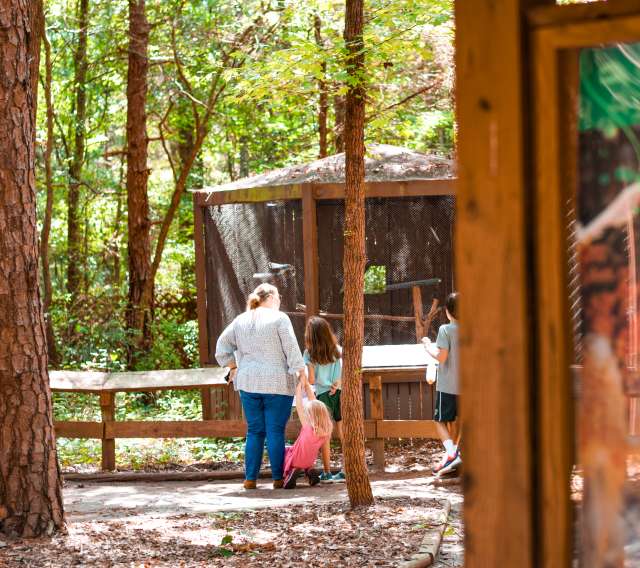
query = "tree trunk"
x=339 y=123
x=80 y=65
x=30 y=482
x=138 y=312
x=54 y=359
x=323 y=97
x=358 y=485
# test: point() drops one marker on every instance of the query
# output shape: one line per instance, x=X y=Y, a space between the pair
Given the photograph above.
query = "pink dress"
x=303 y=454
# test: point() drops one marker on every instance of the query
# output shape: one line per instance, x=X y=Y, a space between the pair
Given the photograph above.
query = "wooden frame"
x=555 y=84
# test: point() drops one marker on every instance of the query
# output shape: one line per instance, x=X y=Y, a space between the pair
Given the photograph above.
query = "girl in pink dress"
x=316 y=430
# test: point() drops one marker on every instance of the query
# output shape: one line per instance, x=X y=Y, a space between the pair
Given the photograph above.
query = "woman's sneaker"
x=338 y=477
x=326 y=477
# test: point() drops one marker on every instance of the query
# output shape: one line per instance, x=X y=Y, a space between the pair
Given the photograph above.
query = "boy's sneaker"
x=338 y=477
x=326 y=477
x=313 y=477
x=452 y=466
x=446 y=462
x=291 y=479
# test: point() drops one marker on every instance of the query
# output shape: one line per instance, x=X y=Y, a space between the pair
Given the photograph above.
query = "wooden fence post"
x=108 y=411
x=377 y=413
x=418 y=312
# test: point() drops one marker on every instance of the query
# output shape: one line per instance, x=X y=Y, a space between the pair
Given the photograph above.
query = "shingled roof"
x=382 y=163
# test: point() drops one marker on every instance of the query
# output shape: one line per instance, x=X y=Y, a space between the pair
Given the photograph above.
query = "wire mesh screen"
x=412 y=238
x=243 y=242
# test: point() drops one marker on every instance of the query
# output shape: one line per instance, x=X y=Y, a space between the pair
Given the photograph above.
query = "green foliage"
x=375 y=280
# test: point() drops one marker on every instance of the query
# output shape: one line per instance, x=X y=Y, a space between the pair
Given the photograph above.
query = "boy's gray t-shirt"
x=448 y=380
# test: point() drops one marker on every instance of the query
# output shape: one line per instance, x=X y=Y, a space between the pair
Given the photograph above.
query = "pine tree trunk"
x=80 y=65
x=358 y=485
x=323 y=97
x=138 y=312
x=30 y=482
x=48 y=213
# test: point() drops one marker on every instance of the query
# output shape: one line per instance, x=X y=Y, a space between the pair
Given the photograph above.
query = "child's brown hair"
x=321 y=342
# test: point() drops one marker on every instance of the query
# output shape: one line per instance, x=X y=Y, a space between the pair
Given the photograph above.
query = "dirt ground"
x=220 y=524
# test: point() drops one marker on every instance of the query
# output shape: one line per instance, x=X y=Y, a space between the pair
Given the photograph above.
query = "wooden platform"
x=144 y=381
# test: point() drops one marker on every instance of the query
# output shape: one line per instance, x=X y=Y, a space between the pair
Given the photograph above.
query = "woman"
x=263 y=346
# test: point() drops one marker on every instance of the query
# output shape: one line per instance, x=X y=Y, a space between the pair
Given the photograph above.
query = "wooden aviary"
x=286 y=226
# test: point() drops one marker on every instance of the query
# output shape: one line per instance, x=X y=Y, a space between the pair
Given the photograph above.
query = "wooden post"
x=417 y=310
x=492 y=261
x=108 y=412
x=555 y=92
x=206 y=394
x=310 y=238
x=377 y=413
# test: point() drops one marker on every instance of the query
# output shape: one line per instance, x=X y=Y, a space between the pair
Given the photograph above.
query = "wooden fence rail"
x=212 y=383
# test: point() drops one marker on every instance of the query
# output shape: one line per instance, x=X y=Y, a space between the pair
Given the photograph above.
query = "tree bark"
x=80 y=66
x=323 y=97
x=139 y=242
x=30 y=481
x=54 y=359
x=358 y=485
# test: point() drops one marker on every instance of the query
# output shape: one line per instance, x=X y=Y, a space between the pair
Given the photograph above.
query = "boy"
x=445 y=351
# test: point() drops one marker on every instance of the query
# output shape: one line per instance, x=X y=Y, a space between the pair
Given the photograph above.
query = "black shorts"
x=446 y=407
x=332 y=402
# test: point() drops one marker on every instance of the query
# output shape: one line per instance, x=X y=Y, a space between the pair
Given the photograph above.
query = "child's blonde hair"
x=319 y=418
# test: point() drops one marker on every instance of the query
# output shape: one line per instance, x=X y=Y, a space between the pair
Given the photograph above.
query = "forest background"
x=233 y=88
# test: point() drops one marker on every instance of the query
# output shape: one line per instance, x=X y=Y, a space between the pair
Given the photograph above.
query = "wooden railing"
x=108 y=430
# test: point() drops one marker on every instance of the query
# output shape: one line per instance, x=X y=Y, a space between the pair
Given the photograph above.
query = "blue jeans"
x=267 y=416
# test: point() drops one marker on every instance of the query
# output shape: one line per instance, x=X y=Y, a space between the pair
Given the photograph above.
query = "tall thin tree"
x=80 y=68
x=323 y=95
x=358 y=485
x=139 y=224
x=30 y=482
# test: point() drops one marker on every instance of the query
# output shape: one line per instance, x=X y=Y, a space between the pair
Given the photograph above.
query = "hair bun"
x=254 y=301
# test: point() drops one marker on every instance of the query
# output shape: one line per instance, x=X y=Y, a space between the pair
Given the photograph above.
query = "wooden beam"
x=411 y=188
x=310 y=248
x=492 y=261
x=249 y=195
x=177 y=429
x=377 y=413
x=555 y=96
x=199 y=213
x=418 y=311
x=553 y=16
x=407 y=429
x=137 y=381
x=201 y=283
x=70 y=429
x=395 y=374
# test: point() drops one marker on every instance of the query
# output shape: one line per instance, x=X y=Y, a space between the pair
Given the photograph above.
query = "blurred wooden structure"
x=516 y=107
